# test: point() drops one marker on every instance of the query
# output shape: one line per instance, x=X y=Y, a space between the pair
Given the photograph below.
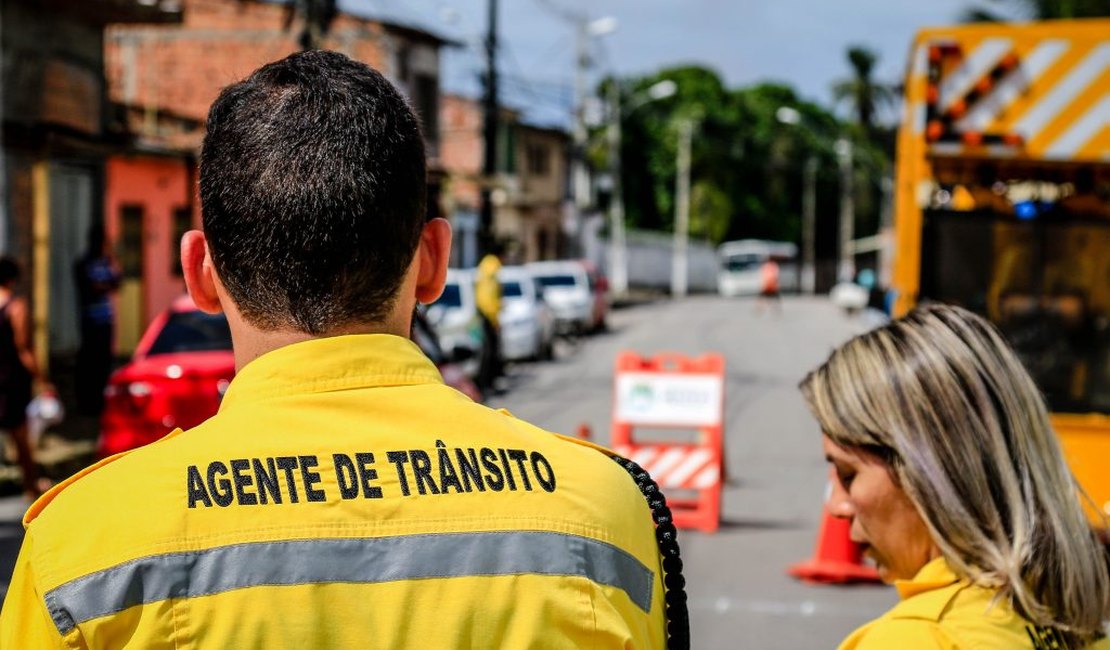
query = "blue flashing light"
x=1026 y=210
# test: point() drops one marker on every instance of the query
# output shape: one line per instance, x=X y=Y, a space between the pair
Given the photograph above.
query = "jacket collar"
x=934 y=575
x=332 y=363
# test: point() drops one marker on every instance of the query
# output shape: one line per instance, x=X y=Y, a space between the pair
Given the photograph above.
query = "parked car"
x=527 y=322
x=457 y=321
x=182 y=367
x=425 y=336
x=577 y=293
x=176 y=378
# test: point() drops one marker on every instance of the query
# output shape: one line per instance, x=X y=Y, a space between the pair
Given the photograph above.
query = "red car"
x=181 y=369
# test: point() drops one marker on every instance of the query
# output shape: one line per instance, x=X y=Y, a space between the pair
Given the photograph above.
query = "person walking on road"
x=953 y=479
x=769 y=286
x=343 y=496
x=19 y=372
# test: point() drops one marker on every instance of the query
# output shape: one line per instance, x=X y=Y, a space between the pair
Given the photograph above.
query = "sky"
x=800 y=42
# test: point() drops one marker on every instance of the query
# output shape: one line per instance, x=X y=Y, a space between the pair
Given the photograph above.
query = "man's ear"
x=433 y=254
x=199 y=272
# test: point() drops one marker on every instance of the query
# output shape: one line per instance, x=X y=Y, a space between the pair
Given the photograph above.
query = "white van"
x=739 y=263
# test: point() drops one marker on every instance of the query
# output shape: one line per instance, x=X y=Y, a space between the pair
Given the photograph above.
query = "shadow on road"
x=761 y=524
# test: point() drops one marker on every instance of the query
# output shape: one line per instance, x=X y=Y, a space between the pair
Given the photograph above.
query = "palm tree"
x=861 y=90
x=1035 y=10
x=316 y=15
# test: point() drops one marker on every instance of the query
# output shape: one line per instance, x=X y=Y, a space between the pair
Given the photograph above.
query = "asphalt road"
x=740 y=595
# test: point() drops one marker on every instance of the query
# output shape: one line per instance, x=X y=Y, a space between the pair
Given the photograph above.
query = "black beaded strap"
x=678 y=616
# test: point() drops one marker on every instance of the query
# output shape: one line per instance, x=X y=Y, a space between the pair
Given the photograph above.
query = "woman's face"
x=883 y=518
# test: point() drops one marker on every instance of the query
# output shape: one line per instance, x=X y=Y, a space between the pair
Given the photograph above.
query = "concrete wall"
x=650 y=257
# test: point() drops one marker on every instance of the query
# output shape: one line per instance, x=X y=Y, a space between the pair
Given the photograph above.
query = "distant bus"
x=739 y=262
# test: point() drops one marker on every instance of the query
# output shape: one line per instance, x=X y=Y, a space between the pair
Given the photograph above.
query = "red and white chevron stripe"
x=676 y=466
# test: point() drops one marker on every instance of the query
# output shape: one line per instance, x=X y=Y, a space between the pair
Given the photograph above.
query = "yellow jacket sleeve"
x=24 y=621
x=901 y=633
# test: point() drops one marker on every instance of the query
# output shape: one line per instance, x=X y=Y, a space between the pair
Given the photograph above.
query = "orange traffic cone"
x=583 y=431
x=837 y=559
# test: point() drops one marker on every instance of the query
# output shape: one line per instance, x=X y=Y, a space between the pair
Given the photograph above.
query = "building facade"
x=58 y=134
x=162 y=79
x=529 y=191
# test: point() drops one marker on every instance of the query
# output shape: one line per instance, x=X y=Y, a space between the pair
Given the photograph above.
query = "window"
x=539 y=159
x=426 y=100
x=506 y=148
x=192 y=331
x=130 y=252
x=182 y=223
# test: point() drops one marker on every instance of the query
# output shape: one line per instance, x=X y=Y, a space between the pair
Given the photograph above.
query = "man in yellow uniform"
x=487 y=297
x=343 y=496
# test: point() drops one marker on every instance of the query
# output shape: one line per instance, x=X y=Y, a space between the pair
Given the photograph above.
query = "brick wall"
x=183 y=67
x=461 y=149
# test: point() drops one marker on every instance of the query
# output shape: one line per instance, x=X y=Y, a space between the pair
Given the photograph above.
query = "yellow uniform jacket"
x=487 y=289
x=940 y=611
x=343 y=497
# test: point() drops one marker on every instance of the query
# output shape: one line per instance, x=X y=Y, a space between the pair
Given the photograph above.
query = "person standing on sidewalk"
x=487 y=295
x=19 y=372
x=343 y=496
x=97 y=276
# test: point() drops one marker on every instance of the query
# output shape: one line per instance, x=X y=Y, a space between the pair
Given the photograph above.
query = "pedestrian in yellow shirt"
x=343 y=496
x=487 y=296
x=954 y=482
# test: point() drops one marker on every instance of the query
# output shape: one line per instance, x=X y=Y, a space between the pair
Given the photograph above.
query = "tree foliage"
x=861 y=90
x=746 y=171
x=1003 y=10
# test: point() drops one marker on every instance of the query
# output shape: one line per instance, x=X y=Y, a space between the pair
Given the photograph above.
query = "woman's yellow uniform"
x=940 y=611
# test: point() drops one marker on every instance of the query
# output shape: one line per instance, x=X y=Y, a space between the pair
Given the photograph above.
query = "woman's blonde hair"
x=969 y=440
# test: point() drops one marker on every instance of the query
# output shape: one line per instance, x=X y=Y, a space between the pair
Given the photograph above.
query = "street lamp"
x=586 y=29
x=808 y=279
x=618 y=260
x=679 y=282
x=846 y=268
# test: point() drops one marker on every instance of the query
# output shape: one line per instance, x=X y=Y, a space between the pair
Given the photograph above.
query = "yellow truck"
x=1003 y=164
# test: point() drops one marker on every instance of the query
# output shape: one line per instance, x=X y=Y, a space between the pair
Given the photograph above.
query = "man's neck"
x=250 y=343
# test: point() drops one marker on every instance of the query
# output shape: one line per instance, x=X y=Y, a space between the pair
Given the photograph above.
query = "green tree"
x=746 y=172
x=861 y=90
x=1004 y=10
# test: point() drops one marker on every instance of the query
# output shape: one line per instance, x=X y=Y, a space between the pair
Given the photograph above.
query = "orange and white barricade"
x=674 y=392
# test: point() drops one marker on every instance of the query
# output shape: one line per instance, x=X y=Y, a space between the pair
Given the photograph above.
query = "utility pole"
x=489 y=134
x=809 y=223
x=846 y=266
x=580 y=174
x=681 y=210
x=618 y=266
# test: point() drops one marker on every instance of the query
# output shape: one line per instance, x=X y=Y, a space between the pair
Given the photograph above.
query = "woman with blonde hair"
x=954 y=482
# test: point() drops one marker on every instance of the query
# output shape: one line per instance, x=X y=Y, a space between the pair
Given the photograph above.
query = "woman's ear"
x=432 y=254
x=199 y=272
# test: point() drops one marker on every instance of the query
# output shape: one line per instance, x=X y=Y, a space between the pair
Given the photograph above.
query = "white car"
x=527 y=322
x=849 y=296
x=456 y=319
x=566 y=287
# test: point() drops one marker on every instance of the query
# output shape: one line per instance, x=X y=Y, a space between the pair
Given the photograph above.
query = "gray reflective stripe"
x=361 y=560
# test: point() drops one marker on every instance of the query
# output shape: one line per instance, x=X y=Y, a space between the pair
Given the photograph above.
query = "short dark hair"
x=9 y=271
x=312 y=186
